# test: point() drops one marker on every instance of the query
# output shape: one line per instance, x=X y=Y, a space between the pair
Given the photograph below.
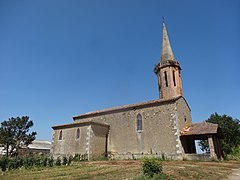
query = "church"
x=161 y=127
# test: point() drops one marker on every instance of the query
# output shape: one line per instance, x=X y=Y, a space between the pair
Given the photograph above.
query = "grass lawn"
x=125 y=170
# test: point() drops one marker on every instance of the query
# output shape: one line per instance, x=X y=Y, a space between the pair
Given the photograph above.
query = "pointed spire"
x=166 y=52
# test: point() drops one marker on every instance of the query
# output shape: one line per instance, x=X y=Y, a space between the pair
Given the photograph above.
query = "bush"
x=37 y=161
x=151 y=166
x=28 y=162
x=70 y=158
x=65 y=160
x=31 y=161
x=235 y=154
x=19 y=162
x=80 y=157
x=15 y=163
x=44 y=161
x=58 y=162
x=4 y=161
x=236 y=151
x=11 y=164
x=77 y=157
x=50 y=162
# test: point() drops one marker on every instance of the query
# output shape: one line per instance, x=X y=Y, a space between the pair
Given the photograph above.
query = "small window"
x=78 y=134
x=60 y=135
x=166 y=80
x=139 y=122
x=174 y=81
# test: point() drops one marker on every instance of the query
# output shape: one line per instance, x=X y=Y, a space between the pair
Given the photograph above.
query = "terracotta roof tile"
x=200 y=129
x=125 y=107
x=79 y=123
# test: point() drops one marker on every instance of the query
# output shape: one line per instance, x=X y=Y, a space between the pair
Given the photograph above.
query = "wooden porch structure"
x=202 y=131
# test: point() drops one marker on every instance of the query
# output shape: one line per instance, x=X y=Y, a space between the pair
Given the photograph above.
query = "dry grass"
x=126 y=170
x=200 y=170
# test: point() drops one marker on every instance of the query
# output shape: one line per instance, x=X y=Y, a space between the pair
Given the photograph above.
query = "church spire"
x=168 y=70
x=166 y=52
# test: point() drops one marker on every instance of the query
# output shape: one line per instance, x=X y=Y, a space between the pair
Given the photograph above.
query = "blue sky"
x=63 y=58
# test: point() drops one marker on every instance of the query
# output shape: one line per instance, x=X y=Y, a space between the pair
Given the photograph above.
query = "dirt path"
x=235 y=175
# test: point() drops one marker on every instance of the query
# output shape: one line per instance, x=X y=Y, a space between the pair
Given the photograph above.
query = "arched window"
x=174 y=81
x=139 y=122
x=166 y=79
x=78 y=133
x=60 y=135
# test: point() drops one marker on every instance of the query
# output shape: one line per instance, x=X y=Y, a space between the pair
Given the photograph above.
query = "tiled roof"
x=202 y=128
x=81 y=123
x=126 y=107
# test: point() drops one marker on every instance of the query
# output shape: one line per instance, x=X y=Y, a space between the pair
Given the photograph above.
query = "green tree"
x=231 y=132
x=14 y=134
x=204 y=145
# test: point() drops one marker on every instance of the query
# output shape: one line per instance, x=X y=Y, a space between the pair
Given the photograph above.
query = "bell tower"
x=168 y=70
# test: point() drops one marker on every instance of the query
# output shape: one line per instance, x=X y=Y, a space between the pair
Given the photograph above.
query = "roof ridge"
x=118 y=108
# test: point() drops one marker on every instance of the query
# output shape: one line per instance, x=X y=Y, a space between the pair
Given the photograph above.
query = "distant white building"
x=40 y=146
x=37 y=147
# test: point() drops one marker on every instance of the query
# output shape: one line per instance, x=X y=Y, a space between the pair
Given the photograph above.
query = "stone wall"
x=160 y=134
x=92 y=140
x=99 y=141
x=161 y=129
x=182 y=120
x=69 y=145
